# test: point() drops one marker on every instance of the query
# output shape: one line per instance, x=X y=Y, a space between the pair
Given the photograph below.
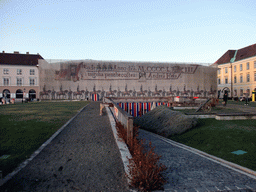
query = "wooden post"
x=129 y=131
x=101 y=108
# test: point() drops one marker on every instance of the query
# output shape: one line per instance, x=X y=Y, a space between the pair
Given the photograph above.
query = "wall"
x=251 y=85
x=12 y=75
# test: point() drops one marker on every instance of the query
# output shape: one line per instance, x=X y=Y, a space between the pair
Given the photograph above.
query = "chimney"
x=27 y=53
x=16 y=52
x=3 y=52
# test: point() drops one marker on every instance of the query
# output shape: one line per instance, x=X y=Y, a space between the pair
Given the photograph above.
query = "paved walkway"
x=188 y=171
x=83 y=157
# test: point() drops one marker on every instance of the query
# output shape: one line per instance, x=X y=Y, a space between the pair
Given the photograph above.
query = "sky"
x=191 y=31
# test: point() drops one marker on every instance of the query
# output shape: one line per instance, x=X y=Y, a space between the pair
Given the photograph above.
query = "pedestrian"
x=225 y=98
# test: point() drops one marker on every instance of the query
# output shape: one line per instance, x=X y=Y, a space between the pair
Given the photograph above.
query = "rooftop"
x=242 y=53
x=19 y=59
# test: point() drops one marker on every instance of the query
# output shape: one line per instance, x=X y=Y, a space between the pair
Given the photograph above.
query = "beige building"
x=19 y=75
x=237 y=72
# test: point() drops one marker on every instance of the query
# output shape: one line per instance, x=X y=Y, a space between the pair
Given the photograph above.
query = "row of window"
x=242 y=92
x=241 y=67
x=19 y=71
x=19 y=81
x=18 y=94
x=241 y=79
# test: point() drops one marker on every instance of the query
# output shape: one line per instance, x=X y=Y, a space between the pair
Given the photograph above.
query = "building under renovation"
x=93 y=79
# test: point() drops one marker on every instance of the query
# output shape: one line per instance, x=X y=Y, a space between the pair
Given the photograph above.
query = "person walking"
x=225 y=98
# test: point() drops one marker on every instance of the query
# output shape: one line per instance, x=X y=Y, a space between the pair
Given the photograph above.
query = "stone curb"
x=124 y=151
x=24 y=164
x=233 y=166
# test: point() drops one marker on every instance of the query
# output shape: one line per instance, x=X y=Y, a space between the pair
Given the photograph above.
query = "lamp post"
x=24 y=95
x=231 y=81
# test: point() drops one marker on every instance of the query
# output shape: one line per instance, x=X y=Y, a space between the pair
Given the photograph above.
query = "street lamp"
x=24 y=94
x=231 y=81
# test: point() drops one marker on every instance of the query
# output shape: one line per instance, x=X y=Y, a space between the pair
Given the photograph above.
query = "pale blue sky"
x=198 y=31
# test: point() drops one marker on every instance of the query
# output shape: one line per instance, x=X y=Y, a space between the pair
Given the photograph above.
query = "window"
x=226 y=70
x=19 y=93
x=32 y=72
x=235 y=79
x=6 y=71
x=226 y=80
x=32 y=81
x=218 y=71
x=235 y=92
x=6 y=93
x=6 y=81
x=241 y=92
x=241 y=67
x=241 y=78
x=248 y=91
x=254 y=76
x=234 y=68
x=248 y=66
x=254 y=64
x=19 y=72
x=19 y=81
x=248 y=77
x=218 y=80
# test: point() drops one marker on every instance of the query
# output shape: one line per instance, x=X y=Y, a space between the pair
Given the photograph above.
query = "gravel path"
x=83 y=157
x=187 y=171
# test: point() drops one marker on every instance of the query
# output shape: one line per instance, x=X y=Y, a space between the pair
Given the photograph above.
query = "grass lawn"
x=220 y=138
x=217 y=109
x=25 y=127
x=251 y=104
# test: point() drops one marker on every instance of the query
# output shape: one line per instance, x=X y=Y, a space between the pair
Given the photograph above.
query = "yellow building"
x=237 y=72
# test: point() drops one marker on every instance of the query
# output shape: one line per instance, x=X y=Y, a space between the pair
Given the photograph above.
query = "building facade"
x=237 y=72
x=19 y=76
x=94 y=79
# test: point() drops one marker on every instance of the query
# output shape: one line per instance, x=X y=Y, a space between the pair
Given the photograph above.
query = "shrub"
x=145 y=171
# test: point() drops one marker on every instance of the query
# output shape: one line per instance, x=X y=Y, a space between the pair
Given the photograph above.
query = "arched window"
x=7 y=92
x=32 y=94
x=19 y=94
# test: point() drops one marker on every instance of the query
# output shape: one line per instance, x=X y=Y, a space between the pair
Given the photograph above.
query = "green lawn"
x=251 y=104
x=25 y=127
x=214 y=110
x=220 y=138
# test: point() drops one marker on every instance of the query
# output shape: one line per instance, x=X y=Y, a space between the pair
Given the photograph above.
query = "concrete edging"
x=24 y=164
x=124 y=151
x=233 y=166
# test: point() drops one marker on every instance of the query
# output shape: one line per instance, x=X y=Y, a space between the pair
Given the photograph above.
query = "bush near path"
x=144 y=167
